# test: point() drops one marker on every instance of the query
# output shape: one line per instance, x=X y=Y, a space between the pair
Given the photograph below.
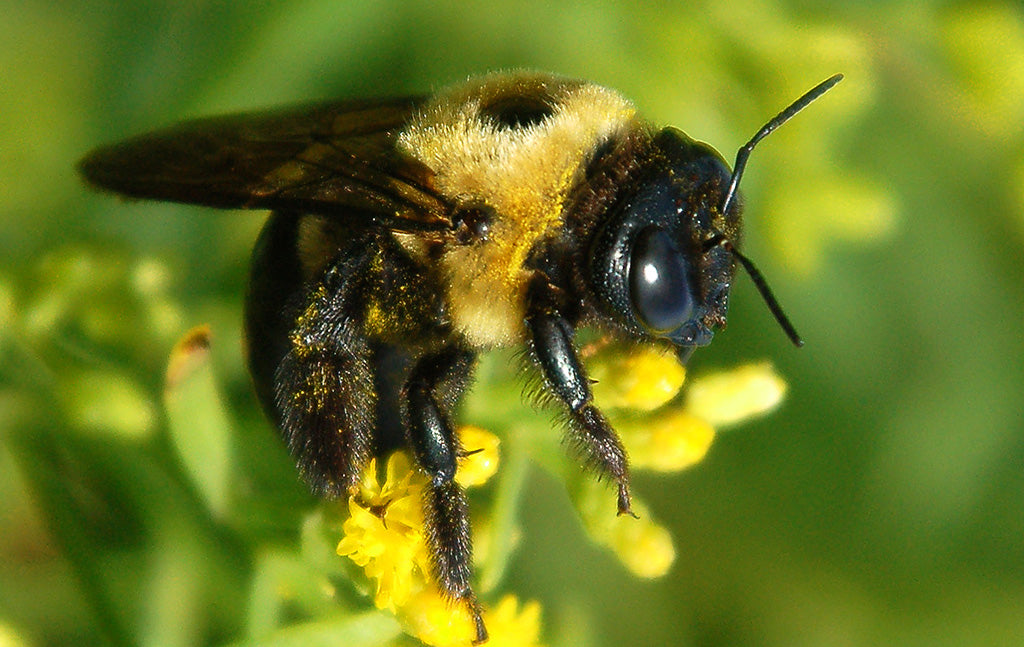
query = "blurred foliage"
x=881 y=504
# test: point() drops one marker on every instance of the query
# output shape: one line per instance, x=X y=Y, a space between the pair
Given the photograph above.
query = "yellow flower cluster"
x=384 y=536
x=384 y=531
x=639 y=387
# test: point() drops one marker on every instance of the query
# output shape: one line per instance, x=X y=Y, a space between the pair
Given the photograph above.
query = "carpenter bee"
x=409 y=235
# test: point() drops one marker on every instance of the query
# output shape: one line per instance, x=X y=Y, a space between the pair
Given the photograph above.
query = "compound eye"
x=659 y=283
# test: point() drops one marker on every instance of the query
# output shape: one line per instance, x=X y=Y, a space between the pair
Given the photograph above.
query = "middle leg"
x=431 y=391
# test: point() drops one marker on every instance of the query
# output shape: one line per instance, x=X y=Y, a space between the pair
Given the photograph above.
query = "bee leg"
x=446 y=512
x=552 y=341
x=324 y=395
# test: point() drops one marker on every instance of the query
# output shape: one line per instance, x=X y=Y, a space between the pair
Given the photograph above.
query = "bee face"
x=656 y=265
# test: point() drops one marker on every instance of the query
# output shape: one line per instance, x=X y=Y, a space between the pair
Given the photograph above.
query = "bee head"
x=659 y=264
x=663 y=263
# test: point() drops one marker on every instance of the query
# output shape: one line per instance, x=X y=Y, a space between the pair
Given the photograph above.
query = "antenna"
x=730 y=198
x=778 y=120
x=766 y=293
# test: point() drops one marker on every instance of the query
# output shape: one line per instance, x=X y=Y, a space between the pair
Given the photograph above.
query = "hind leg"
x=324 y=392
x=308 y=353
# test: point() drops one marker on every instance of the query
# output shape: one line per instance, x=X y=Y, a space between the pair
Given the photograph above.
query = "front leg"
x=553 y=348
x=431 y=390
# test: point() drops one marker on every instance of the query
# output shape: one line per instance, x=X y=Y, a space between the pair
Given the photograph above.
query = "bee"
x=409 y=235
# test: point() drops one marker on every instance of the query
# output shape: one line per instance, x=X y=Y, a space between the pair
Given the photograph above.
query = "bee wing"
x=337 y=159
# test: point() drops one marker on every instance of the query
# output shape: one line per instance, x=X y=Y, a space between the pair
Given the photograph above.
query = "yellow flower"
x=384 y=532
x=437 y=622
x=666 y=441
x=641 y=544
x=728 y=397
x=641 y=378
x=512 y=626
x=480 y=462
x=384 y=536
x=671 y=438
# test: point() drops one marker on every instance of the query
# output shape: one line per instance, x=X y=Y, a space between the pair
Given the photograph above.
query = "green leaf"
x=197 y=421
x=505 y=516
x=365 y=630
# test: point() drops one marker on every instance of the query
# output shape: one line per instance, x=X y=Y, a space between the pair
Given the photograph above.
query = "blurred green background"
x=882 y=504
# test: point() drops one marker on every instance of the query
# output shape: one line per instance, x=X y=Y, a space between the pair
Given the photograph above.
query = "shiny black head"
x=663 y=262
x=657 y=264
